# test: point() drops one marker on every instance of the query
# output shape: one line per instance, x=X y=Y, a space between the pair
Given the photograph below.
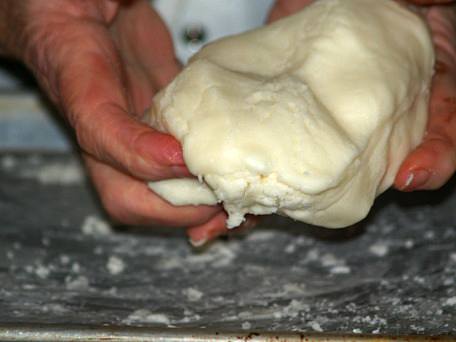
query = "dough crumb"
x=56 y=174
x=315 y=326
x=450 y=301
x=409 y=244
x=246 y=326
x=42 y=271
x=115 y=265
x=39 y=270
x=95 y=226
x=453 y=257
x=340 y=270
x=294 y=309
x=192 y=294
x=76 y=268
x=80 y=283
x=379 y=249
x=8 y=162
x=145 y=316
x=64 y=259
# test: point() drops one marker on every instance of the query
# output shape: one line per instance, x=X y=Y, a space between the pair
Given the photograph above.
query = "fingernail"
x=198 y=243
x=409 y=181
x=160 y=147
x=172 y=150
x=417 y=179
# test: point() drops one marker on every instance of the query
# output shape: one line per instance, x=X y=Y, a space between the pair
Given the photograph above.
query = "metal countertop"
x=62 y=263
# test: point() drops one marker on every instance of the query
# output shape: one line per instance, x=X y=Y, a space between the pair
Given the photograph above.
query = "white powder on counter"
x=115 y=265
x=146 y=316
x=95 y=226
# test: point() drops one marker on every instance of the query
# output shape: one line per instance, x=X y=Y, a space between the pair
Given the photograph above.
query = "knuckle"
x=94 y=138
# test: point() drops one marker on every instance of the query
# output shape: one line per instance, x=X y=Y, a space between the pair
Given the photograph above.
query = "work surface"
x=61 y=262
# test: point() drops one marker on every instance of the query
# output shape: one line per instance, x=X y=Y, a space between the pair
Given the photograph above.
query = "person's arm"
x=101 y=62
x=431 y=2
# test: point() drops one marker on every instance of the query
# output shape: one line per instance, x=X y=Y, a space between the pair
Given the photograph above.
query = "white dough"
x=309 y=117
x=184 y=191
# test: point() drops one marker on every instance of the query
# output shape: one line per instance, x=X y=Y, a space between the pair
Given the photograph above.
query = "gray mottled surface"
x=61 y=263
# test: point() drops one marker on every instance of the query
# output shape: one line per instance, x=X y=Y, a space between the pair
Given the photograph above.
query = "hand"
x=433 y=162
x=101 y=61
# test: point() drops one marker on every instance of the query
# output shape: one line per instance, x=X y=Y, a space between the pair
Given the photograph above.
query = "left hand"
x=433 y=162
x=100 y=62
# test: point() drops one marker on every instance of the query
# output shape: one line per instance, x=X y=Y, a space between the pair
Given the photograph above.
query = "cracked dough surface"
x=309 y=117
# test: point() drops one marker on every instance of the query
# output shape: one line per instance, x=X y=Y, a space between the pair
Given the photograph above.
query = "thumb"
x=113 y=136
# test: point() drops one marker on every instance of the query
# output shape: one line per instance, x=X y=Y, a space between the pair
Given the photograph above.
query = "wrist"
x=11 y=27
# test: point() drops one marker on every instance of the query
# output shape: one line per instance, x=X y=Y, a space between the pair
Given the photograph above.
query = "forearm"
x=11 y=27
x=432 y=2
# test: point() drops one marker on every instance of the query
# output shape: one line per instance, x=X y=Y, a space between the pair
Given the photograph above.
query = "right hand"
x=431 y=164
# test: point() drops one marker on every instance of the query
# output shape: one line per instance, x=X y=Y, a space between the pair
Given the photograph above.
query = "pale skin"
x=101 y=62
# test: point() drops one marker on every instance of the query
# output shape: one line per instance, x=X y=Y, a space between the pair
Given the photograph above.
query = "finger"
x=146 y=44
x=216 y=227
x=106 y=130
x=111 y=135
x=130 y=201
x=283 y=8
x=145 y=37
x=109 y=9
x=433 y=162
